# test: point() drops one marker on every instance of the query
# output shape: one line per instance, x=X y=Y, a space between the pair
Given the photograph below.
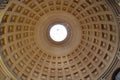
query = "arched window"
x=116 y=74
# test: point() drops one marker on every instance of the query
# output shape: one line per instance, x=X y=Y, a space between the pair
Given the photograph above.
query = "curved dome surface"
x=87 y=53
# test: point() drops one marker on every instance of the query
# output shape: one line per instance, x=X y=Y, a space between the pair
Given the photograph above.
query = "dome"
x=59 y=39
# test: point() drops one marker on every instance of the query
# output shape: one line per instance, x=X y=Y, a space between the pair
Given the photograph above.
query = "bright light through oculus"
x=58 y=32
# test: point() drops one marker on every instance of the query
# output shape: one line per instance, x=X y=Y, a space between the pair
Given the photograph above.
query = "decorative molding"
x=102 y=79
x=118 y=55
x=5 y=70
x=8 y=78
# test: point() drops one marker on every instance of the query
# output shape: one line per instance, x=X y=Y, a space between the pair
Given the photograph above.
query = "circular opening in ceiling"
x=58 y=32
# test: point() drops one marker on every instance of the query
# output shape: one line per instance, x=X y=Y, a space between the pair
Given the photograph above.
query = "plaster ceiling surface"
x=89 y=49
